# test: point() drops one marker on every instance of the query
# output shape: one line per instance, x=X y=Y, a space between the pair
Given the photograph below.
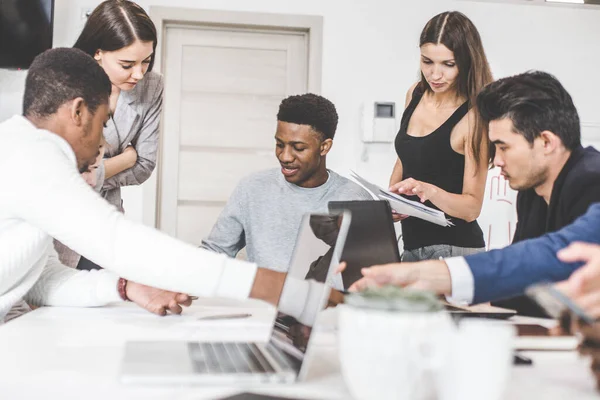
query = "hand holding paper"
x=413 y=187
x=404 y=206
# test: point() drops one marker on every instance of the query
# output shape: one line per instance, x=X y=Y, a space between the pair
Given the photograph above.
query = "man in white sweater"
x=44 y=196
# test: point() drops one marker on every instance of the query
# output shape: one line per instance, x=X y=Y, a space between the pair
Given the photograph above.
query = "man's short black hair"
x=60 y=75
x=310 y=109
x=534 y=101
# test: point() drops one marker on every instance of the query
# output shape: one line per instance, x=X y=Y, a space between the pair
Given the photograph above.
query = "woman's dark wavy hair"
x=116 y=24
x=455 y=31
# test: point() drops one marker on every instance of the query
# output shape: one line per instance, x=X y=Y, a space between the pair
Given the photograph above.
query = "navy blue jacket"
x=576 y=187
x=506 y=272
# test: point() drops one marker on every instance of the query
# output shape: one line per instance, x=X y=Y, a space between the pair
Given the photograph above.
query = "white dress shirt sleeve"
x=59 y=285
x=48 y=192
x=463 y=285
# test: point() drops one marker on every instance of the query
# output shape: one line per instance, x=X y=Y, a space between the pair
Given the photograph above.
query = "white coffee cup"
x=479 y=362
x=391 y=355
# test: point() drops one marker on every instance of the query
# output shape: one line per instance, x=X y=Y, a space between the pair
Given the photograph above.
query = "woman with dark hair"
x=122 y=39
x=442 y=145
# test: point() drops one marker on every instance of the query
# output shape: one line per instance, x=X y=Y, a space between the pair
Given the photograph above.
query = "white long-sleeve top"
x=43 y=196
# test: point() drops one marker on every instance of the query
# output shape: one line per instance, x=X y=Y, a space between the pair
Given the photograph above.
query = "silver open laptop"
x=318 y=247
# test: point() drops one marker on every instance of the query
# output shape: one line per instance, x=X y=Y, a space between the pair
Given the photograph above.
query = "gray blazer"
x=136 y=122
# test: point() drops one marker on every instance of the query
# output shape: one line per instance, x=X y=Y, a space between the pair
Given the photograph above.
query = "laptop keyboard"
x=228 y=358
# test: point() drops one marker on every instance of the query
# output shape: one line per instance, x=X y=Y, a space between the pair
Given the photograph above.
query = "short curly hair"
x=310 y=109
x=60 y=75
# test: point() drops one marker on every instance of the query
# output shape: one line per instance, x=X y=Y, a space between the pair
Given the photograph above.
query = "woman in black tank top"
x=442 y=146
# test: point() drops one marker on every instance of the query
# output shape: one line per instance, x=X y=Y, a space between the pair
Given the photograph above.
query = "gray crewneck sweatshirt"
x=264 y=213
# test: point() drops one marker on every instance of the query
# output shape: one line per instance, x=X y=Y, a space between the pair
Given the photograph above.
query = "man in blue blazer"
x=535 y=129
x=495 y=274
x=506 y=272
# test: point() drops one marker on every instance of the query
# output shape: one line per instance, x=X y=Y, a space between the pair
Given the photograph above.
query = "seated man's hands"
x=398 y=274
x=431 y=275
x=583 y=286
x=157 y=301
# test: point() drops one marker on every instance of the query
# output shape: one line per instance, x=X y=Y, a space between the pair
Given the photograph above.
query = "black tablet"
x=371 y=238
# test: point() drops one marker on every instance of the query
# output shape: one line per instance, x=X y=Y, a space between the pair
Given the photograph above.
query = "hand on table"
x=157 y=301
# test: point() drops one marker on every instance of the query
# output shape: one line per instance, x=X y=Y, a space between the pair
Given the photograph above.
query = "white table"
x=69 y=353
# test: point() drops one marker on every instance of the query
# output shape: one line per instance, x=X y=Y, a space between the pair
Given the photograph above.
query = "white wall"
x=370 y=51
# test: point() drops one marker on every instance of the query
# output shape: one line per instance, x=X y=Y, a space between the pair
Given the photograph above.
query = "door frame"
x=168 y=17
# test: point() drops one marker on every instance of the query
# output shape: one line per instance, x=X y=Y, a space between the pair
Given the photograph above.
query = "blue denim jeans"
x=438 y=250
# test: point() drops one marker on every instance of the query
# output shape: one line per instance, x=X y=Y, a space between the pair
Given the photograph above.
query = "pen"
x=225 y=316
x=518 y=359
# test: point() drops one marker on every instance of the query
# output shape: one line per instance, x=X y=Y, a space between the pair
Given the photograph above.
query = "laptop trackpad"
x=157 y=358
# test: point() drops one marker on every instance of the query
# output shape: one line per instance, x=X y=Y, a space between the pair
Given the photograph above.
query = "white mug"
x=479 y=362
x=391 y=355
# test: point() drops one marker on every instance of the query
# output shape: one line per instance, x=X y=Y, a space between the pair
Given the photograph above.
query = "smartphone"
x=555 y=303
x=518 y=359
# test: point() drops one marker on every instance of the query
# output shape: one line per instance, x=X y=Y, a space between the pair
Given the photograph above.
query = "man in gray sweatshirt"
x=264 y=211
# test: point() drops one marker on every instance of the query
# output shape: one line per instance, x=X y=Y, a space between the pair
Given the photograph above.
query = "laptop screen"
x=320 y=242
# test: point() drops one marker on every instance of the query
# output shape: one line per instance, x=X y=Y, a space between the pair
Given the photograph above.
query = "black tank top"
x=431 y=159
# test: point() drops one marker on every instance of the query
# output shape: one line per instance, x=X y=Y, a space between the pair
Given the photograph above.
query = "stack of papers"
x=404 y=206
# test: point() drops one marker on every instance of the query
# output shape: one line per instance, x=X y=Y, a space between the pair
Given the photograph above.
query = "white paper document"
x=404 y=206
